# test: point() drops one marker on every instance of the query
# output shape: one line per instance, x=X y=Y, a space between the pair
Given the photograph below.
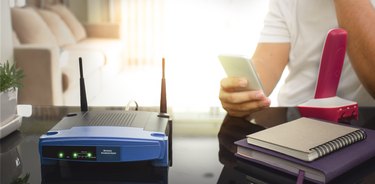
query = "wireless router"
x=110 y=136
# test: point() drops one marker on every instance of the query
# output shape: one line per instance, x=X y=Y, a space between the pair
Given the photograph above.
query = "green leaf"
x=10 y=77
x=22 y=180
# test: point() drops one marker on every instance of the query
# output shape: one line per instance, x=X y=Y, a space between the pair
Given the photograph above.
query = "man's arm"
x=358 y=18
x=270 y=60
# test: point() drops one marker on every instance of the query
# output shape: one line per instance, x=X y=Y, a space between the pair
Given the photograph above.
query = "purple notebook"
x=321 y=170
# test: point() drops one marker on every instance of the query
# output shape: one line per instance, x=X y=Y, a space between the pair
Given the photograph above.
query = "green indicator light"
x=61 y=155
x=89 y=155
x=75 y=155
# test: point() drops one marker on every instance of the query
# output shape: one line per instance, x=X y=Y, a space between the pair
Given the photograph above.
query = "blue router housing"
x=108 y=136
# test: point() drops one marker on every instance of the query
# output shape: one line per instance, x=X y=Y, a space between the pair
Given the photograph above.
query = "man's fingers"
x=231 y=83
x=240 y=97
x=238 y=101
x=247 y=107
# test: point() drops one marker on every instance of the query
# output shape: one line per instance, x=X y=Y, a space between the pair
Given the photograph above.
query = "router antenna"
x=82 y=88
x=163 y=96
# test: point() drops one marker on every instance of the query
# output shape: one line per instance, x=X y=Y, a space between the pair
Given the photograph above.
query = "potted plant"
x=10 y=81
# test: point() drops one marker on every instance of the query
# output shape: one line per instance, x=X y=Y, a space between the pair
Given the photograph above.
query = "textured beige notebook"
x=305 y=138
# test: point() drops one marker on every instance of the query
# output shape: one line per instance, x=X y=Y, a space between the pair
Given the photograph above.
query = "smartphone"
x=240 y=66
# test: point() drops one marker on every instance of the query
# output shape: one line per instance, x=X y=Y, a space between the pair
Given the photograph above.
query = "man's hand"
x=239 y=102
x=269 y=60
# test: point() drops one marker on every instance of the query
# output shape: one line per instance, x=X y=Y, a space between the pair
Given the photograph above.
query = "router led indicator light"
x=75 y=155
x=89 y=155
x=61 y=155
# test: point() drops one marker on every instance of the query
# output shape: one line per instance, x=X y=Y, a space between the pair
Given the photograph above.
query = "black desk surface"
x=206 y=158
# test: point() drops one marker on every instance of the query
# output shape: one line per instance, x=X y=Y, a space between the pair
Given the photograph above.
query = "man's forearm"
x=358 y=18
x=270 y=60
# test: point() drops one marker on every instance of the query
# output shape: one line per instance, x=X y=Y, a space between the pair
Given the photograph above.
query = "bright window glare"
x=195 y=33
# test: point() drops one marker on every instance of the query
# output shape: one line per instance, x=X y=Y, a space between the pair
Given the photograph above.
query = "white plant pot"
x=8 y=108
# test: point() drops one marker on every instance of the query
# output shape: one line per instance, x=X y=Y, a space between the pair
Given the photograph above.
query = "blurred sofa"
x=47 y=44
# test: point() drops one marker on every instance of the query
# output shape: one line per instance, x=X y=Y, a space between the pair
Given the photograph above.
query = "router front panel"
x=100 y=151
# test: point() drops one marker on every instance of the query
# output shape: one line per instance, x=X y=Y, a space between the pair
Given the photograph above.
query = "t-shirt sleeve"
x=275 y=27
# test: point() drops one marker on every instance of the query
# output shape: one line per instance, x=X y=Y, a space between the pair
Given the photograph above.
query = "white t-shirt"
x=304 y=24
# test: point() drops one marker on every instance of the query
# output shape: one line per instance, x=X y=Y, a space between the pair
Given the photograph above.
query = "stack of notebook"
x=317 y=150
